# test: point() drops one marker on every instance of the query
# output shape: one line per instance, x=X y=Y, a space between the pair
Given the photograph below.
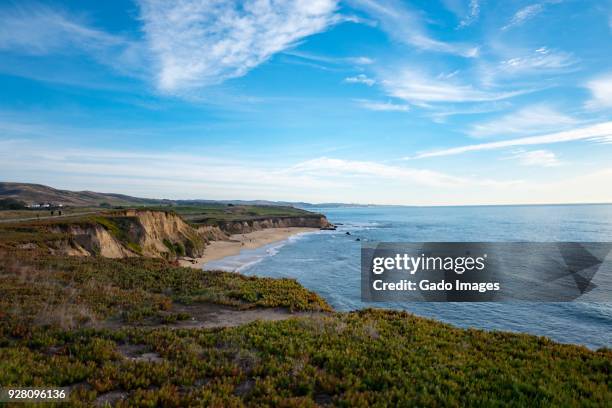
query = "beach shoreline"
x=216 y=250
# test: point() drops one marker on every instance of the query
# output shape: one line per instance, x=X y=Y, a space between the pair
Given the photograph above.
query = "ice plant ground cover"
x=107 y=330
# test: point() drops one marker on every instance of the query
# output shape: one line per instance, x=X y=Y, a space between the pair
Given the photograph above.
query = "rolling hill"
x=38 y=193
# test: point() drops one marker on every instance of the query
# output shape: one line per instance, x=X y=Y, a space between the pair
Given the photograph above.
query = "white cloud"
x=542 y=58
x=360 y=79
x=404 y=25
x=466 y=12
x=601 y=91
x=536 y=158
x=383 y=106
x=472 y=16
x=186 y=175
x=358 y=60
x=524 y=14
x=190 y=176
x=330 y=167
x=527 y=120
x=415 y=87
x=512 y=63
x=601 y=132
x=210 y=174
x=441 y=113
x=41 y=30
x=200 y=43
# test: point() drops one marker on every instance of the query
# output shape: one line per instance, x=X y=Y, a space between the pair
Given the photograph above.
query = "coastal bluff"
x=257 y=224
x=151 y=233
x=128 y=233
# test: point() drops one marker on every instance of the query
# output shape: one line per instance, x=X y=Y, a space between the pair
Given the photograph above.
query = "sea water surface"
x=328 y=262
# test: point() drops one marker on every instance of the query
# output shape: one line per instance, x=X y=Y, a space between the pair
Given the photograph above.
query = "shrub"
x=12 y=204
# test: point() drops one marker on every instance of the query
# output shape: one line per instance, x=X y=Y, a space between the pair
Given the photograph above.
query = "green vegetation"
x=134 y=247
x=11 y=204
x=214 y=213
x=367 y=358
x=34 y=214
x=126 y=229
x=78 y=290
x=176 y=248
x=201 y=214
x=116 y=330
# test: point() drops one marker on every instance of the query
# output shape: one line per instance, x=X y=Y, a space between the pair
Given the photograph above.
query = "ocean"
x=328 y=262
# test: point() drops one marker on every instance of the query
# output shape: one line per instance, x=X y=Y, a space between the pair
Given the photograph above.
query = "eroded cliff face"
x=132 y=233
x=90 y=240
x=157 y=234
x=243 y=227
x=212 y=233
x=156 y=231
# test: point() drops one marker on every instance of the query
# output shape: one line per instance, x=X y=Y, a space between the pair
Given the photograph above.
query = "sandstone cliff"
x=212 y=233
x=159 y=234
x=132 y=233
x=243 y=227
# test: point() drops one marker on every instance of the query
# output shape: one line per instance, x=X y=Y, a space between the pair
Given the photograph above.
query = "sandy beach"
x=220 y=249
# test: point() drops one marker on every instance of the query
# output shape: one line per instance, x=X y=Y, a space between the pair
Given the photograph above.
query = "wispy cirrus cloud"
x=536 y=158
x=467 y=13
x=35 y=29
x=523 y=15
x=601 y=132
x=332 y=167
x=506 y=63
x=357 y=60
x=360 y=79
x=474 y=13
x=404 y=25
x=527 y=13
x=527 y=120
x=540 y=59
x=203 y=43
x=442 y=113
x=186 y=175
x=419 y=88
x=383 y=106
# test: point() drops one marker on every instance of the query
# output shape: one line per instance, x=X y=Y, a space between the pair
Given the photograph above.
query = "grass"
x=34 y=213
x=202 y=214
x=213 y=214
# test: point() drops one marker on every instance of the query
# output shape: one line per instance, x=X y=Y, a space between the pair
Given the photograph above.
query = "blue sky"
x=391 y=102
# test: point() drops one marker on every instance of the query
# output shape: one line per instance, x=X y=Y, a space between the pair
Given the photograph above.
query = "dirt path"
x=206 y=315
x=210 y=315
x=47 y=217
